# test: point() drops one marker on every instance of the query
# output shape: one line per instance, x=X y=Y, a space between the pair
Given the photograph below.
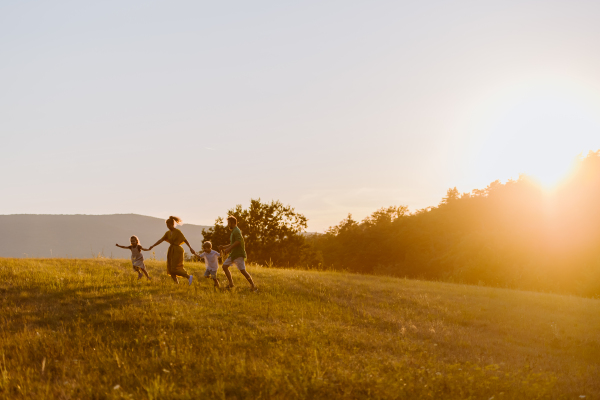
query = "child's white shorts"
x=239 y=262
x=210 y=272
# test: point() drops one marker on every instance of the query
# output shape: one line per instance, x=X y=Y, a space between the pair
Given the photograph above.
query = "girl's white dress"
x=137 y=259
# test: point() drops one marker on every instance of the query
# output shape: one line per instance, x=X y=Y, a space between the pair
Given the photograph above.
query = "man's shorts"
x=210 y=272
x=239 y=262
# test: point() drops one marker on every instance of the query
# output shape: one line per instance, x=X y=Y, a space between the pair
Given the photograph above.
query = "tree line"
x=513 y=234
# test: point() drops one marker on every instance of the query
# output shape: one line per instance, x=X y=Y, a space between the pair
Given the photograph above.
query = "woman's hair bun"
x=176 y=220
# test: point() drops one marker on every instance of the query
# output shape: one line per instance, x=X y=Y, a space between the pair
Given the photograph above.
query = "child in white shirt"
x=211 y=258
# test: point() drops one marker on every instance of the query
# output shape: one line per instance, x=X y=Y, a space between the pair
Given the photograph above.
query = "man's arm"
x=227 y=249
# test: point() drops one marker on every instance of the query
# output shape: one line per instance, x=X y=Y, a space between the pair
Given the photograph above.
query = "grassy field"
x=86 y=329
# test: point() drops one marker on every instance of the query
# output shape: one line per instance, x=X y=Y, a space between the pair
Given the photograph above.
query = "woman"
x=175 y=253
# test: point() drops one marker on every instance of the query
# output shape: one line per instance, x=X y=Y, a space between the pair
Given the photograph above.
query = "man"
x=237 y=253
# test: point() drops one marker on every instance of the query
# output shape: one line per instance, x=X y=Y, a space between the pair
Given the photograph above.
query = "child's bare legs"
x=145 y=273
x=215 y=280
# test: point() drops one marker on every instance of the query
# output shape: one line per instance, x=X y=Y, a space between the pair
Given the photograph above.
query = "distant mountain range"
x=84 y=236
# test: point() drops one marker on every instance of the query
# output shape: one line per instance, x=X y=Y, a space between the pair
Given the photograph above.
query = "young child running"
x=211 y=258
x=238 y=253
x=137 y=259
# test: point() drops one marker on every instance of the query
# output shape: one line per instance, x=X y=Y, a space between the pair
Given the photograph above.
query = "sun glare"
x=550 y=172
x=537 y=129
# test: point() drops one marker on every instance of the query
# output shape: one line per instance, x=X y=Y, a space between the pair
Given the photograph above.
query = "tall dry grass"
x=86 y=329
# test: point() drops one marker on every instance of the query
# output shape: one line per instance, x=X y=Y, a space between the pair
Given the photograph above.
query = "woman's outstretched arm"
x=188 y=244
x=156 y=244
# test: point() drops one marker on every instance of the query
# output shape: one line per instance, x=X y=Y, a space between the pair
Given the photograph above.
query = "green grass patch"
x=73 y=329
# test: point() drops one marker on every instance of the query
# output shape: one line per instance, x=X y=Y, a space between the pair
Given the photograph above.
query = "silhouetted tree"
x=274 y=234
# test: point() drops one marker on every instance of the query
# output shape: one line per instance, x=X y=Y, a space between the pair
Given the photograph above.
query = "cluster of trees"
x=511 y=235
x=273 y=234
x=514 y=234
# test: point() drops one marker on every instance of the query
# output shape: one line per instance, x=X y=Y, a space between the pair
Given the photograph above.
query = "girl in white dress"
x=137 y=259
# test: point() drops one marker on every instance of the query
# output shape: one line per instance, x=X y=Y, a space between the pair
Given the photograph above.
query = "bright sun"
x=550 y=171
x=538 y=131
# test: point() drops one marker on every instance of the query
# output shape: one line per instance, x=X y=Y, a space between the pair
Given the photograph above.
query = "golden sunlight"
x=550 y=169
x=536 y=128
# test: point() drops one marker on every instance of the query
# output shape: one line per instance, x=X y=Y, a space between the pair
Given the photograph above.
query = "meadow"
x=87 y=329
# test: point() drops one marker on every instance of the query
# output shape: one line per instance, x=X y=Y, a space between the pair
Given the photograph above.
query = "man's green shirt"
x=240 y=250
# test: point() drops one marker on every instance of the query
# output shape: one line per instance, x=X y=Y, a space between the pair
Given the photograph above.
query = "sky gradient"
x=334 y=107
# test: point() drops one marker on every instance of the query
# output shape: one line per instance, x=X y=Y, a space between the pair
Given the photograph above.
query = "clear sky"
x=335 y=107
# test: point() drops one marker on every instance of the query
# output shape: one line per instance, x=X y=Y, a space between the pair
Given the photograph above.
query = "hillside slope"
x=88 y=329
x=83 y=236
